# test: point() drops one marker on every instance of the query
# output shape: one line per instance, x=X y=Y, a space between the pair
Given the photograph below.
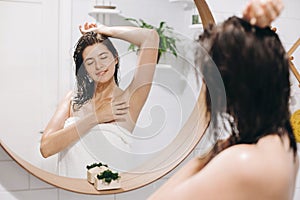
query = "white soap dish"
x=93 y=170
x=91 y=173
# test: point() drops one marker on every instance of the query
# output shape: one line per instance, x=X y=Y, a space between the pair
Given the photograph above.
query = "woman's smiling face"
x=99 y=62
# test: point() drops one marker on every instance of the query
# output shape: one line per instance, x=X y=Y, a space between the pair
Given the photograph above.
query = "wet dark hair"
x=86 y=86
x=255 y=71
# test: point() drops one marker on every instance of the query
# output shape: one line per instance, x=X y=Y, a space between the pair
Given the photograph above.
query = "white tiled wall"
x=17 y=184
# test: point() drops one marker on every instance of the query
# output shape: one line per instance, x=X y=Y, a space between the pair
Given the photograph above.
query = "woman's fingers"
x=121 y=112
x=270 y=10
x=87 y=27
x=81 y=29
x=246 y=12
x=278 y=5
x=256 y=14
x=121 y=108
x=109 y=109
x=262 y=12
x=116 y=103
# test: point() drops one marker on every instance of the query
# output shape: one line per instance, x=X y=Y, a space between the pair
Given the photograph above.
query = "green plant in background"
x=167 y=40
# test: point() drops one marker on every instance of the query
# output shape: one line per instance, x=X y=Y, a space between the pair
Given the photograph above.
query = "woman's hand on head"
x=262 y=12
x=87 y=27
x=110 y=110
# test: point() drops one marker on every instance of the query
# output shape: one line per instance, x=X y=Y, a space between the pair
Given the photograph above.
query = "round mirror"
x=37 y=72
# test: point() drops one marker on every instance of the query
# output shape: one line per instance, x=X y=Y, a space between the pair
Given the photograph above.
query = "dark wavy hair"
x=255 y=71
x=86 y=86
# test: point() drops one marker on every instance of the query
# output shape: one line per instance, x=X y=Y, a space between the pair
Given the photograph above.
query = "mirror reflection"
x=98 y=101
x=113 y=106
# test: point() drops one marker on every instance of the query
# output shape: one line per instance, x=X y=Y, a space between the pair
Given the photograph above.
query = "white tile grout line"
x=8 y=160
x=26 y=190
x=29 y=188
x=58 y=192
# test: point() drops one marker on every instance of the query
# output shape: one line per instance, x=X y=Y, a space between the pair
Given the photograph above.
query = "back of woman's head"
x=85 y=85
x=255 y=71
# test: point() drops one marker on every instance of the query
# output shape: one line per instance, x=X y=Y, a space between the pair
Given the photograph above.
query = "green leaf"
x=132 y=47
x=167 y=39
x=133 y=20
x=161 y=26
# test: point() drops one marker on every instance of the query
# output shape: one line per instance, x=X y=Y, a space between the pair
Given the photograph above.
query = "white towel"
x=106 y=143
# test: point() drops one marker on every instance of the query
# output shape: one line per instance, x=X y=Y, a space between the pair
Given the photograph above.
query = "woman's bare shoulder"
x=239 y=161
x=252 y=169
x=65 y=104
x=269 y=157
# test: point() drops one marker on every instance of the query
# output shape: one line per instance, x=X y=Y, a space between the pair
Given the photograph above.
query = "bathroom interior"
x=37 y=44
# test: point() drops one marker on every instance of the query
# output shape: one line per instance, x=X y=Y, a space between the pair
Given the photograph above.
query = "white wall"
x=17 y=184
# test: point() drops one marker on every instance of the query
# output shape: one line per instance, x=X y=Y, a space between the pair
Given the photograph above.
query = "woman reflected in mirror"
x=258 y=159
x=98 y=100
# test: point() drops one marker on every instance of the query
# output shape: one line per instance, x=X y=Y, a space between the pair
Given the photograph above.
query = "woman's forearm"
x=190 y=169
x=55 y=141
x=141 y=37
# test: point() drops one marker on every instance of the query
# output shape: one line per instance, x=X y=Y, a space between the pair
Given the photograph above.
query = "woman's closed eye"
x=103 y=56
x=90 y=62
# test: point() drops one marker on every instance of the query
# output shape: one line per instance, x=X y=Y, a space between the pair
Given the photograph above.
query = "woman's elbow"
x=44 y=150
x=155 y=37
x=151 y=38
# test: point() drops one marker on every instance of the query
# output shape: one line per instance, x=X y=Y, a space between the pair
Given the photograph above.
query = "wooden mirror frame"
x=171 y=156
x=292 y=66
x=184 y=143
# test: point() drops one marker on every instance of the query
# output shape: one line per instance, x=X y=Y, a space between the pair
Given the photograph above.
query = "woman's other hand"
x=87 y=27
x=262 y=12
x=110 y=110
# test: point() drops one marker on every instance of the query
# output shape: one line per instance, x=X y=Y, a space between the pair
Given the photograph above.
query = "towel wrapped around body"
x=106 y=143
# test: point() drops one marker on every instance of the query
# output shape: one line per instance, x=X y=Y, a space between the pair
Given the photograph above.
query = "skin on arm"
x=56 y=138
x=189 y=170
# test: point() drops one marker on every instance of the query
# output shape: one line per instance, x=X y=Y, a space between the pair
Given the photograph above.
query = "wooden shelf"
x=183 y=1
x=110 y=17
x=196 y=26
x=187 y=4
x=103 y=11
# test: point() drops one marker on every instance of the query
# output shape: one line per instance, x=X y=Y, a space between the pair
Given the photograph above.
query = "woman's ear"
x=116 y=60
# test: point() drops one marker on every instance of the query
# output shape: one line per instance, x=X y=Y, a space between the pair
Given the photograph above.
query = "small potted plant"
x=107 y=180
x=94 y=169
x=167 y=42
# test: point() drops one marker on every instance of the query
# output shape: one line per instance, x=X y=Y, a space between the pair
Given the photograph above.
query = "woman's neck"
x=105 y=90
